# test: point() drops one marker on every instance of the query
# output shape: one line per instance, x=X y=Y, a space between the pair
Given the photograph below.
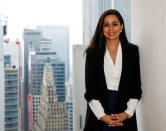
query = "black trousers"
x=112 y=101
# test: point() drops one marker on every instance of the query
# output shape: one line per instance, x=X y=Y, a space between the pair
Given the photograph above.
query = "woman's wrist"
x=128 y=115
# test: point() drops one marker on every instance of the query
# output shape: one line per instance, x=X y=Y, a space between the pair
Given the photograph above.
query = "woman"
x=112 y=77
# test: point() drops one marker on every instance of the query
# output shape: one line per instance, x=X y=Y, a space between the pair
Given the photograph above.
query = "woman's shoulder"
x=132 y=46
x=91 y=52
x=132 y=50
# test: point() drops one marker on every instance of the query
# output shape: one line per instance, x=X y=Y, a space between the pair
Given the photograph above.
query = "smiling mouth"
x=112 y=33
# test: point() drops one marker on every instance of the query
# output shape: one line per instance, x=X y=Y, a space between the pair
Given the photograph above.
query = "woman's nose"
x=110 y=28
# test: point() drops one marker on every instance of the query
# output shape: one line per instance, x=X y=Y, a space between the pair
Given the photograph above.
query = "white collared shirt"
x=113 y=72
x=112 y=76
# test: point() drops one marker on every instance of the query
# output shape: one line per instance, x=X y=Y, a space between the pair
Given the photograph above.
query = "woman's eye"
x=115 y=24
x=105 y=25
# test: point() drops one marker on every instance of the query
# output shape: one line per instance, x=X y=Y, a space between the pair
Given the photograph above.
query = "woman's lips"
x=111 y=33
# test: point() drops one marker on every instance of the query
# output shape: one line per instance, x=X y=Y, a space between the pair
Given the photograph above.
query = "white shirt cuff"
x=131 y=106
x=96 y=108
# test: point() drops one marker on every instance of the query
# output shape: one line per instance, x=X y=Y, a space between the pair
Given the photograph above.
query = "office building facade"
x=124 y=7
x=37 y=62
x=32 y=38
x=52 y=115
x=59 y=35
x=69 y=106
x=1 y=79
x=92 y=10
x=69 y=103
x=13 y=86
x=3 y=24
x=11 y=98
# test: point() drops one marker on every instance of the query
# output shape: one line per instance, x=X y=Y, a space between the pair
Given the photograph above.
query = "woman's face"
x=112 y=27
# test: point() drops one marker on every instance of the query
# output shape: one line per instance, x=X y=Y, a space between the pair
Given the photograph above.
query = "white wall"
x=148 y=30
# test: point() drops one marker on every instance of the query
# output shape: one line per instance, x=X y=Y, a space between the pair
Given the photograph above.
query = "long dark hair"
x=98 y=40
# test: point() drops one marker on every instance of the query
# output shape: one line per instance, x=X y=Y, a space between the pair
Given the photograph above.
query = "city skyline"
x=33 y=39
x=37 y=51
x=151 y=48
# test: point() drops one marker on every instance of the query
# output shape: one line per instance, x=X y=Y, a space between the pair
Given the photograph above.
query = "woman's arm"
x=97 y=108
x=136 y=91
x=91 y=82
x=131 y=106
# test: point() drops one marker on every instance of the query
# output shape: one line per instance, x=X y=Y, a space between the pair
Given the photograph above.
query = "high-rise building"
x=37 y=62
x=69 y=103
x=52 y=115
x=13 y=80
x=11 y=52
x=79 y=103
x=59 y=35
x=11 y=98
x=124 y=7
x=69 y=106
x=92 y=9
x=104 y=5
x=3 y=24
x=31 y=38
x=38 y=51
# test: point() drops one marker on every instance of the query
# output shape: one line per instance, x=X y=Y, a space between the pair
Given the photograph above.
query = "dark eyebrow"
x=112 y=22
x=115 y=21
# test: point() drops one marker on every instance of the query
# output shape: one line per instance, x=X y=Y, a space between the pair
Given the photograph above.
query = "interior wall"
x=148 y=30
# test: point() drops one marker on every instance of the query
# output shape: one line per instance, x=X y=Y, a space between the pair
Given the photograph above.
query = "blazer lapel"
x=124 y=64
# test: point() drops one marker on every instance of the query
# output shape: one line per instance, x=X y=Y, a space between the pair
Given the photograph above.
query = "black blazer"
x=96 y=88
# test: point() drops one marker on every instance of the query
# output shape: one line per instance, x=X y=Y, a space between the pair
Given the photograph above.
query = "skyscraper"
x=31 y=38
x=37 y=62
x=92 y=9
x=3 y=23
x=52 y=115
x=104 y=5
x=124 y=7
x=69 y=103
x=12 y=86
x=11 y=98
x=38 y=51
x=11 y=52
x=59 y=35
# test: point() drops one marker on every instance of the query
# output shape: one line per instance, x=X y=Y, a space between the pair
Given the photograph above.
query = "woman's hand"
x=120 y=117
x=111 y=120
